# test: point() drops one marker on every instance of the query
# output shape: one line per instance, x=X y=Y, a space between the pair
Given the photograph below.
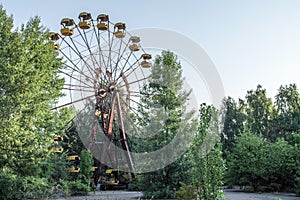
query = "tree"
x=234 y=119
x=86 y=164
x=247 y=163
x=260 y=112
x=288 y=108
x=29 y=85
x=207 y=164
x=263 y=165
x=164 y=112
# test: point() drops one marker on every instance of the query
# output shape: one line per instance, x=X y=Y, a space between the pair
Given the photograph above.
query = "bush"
x=297 y=189
x=186 y=192
x=9 y=185
x=86 y=163
x=262 y=165
x=35 y=188
x=76 y=188
x=13 y=186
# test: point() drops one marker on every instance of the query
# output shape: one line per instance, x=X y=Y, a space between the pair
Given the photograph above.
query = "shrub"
x=185 y=192
x=9 y=185
x=76 y=188
x=35 y=188
x=86 y=163
x=297 y=186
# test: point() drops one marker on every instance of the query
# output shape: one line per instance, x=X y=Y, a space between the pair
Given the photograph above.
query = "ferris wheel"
x=104 y=69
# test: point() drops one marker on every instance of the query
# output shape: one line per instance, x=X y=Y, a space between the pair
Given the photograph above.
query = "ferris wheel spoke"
x=133 y=110
x=76 y=69
x=123 y=73
x=126 y=61
x=118 y=53
x=138 y=103
x=101 y=54
x=90 y=69
x=74 y=78
x=79 y=90
x=132 y=123
x=77 y=52
x=73 y=102
x=84 y=38
x=123 y=65
x=135 y=95
x=110 y=42
x=97 y=36
x=133 y=82
x=78 y=86
x=131 y=70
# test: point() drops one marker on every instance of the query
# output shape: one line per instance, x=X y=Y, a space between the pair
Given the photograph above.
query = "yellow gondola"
x=145 y=63
x=94 y=169
x=58 y=138
x=67 y=23
x=84 y=17
x=102 y=22
x=57 y=149
x=84 y=25
x=97 y=113
x=74 y=169
x=56 y=46
x=54 y=37
x=134 y=46
x=119 y=31
x=73 y=157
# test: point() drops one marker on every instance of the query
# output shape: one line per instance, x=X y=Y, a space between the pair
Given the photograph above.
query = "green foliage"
x=56 y=168
x=9 y=185
x=29 y=84
x=86 y=164
x=263 y=154
x=297 y=190
x=288 y=108
x=35 y=188
x=14 y=186
x=260 y=112
x=207 y=164
x=163 y=109
x=72 y=142
x=263 y=165
x=185 y=192
x=297 y=179
x=247 y=162
x=76 y=188
x=234 y=117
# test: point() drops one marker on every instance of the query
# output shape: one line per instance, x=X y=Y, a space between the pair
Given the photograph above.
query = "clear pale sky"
x=251 y=42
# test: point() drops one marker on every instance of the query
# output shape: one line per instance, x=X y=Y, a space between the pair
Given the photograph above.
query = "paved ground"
x=108 y=195
x=231 y=195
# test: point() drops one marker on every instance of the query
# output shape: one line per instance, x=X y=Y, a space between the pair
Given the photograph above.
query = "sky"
x=250 y=42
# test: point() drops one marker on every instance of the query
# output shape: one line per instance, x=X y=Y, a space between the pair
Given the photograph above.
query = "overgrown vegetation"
x=257 y=148
x=261 y=140
x=29 y=87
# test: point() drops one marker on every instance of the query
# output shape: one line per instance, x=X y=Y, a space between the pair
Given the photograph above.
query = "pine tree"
x=164 y=113
x=29 y=85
